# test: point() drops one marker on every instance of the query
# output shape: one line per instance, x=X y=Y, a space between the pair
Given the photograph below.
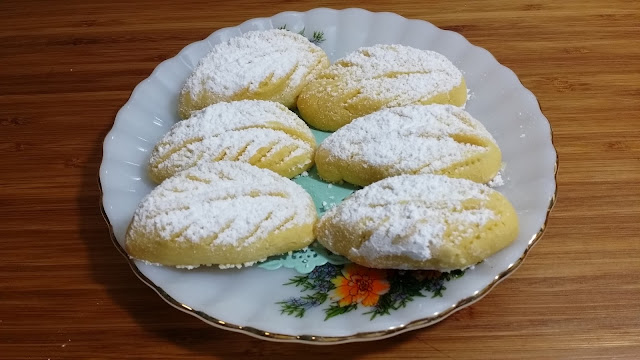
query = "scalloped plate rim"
x=312 y=339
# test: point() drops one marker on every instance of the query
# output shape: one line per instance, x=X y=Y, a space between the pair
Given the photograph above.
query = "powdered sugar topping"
x=246 y=61
x=238 y=131
x=410 y=139
x=497 y=181
x=401 y=73
x=223 y=203
x=409 y=215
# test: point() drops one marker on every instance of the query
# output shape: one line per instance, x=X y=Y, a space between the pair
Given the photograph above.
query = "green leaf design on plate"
x=351 y=286
x=317 y=37
x=334 y=310
x=325 y=196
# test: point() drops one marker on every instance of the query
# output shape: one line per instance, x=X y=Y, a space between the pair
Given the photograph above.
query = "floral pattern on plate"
x=350 y=286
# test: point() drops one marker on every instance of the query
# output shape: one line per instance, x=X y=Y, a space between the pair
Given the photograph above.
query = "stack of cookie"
x=225 y=196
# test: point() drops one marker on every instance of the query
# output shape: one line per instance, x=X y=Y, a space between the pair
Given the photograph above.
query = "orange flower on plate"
x=359 y=284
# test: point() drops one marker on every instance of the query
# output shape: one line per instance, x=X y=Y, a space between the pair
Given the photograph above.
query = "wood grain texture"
x=66 y=67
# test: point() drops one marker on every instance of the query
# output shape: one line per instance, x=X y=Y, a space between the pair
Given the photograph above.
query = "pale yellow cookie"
x=420 y=222
x=262 y=133
x=226 y=213
x=377 y=77
x=414 y=139
x=264 y=65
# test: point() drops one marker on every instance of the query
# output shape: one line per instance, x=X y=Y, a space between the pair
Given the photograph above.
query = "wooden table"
x=66 y=67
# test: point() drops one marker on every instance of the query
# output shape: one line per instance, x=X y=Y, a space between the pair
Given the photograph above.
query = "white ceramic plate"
x=250 y=300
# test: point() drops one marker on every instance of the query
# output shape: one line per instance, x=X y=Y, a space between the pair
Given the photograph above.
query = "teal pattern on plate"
x=304 y=261
x=325 y=196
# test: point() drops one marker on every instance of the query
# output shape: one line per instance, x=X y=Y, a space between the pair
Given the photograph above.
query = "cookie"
x=261 y=133
x=420 y=222
x=227 y=213
x=377 y=77
x=264 y=65
x=414 y=139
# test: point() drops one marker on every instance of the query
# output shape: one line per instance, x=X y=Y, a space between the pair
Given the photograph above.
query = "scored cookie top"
x=401 y=73
x=409 y=215
x=246 y=61
x=409 y=139
x=223 y=203
x=225 y=116
x=236 y=131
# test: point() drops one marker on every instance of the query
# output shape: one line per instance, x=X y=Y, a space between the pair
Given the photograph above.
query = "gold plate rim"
x=363 y=336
